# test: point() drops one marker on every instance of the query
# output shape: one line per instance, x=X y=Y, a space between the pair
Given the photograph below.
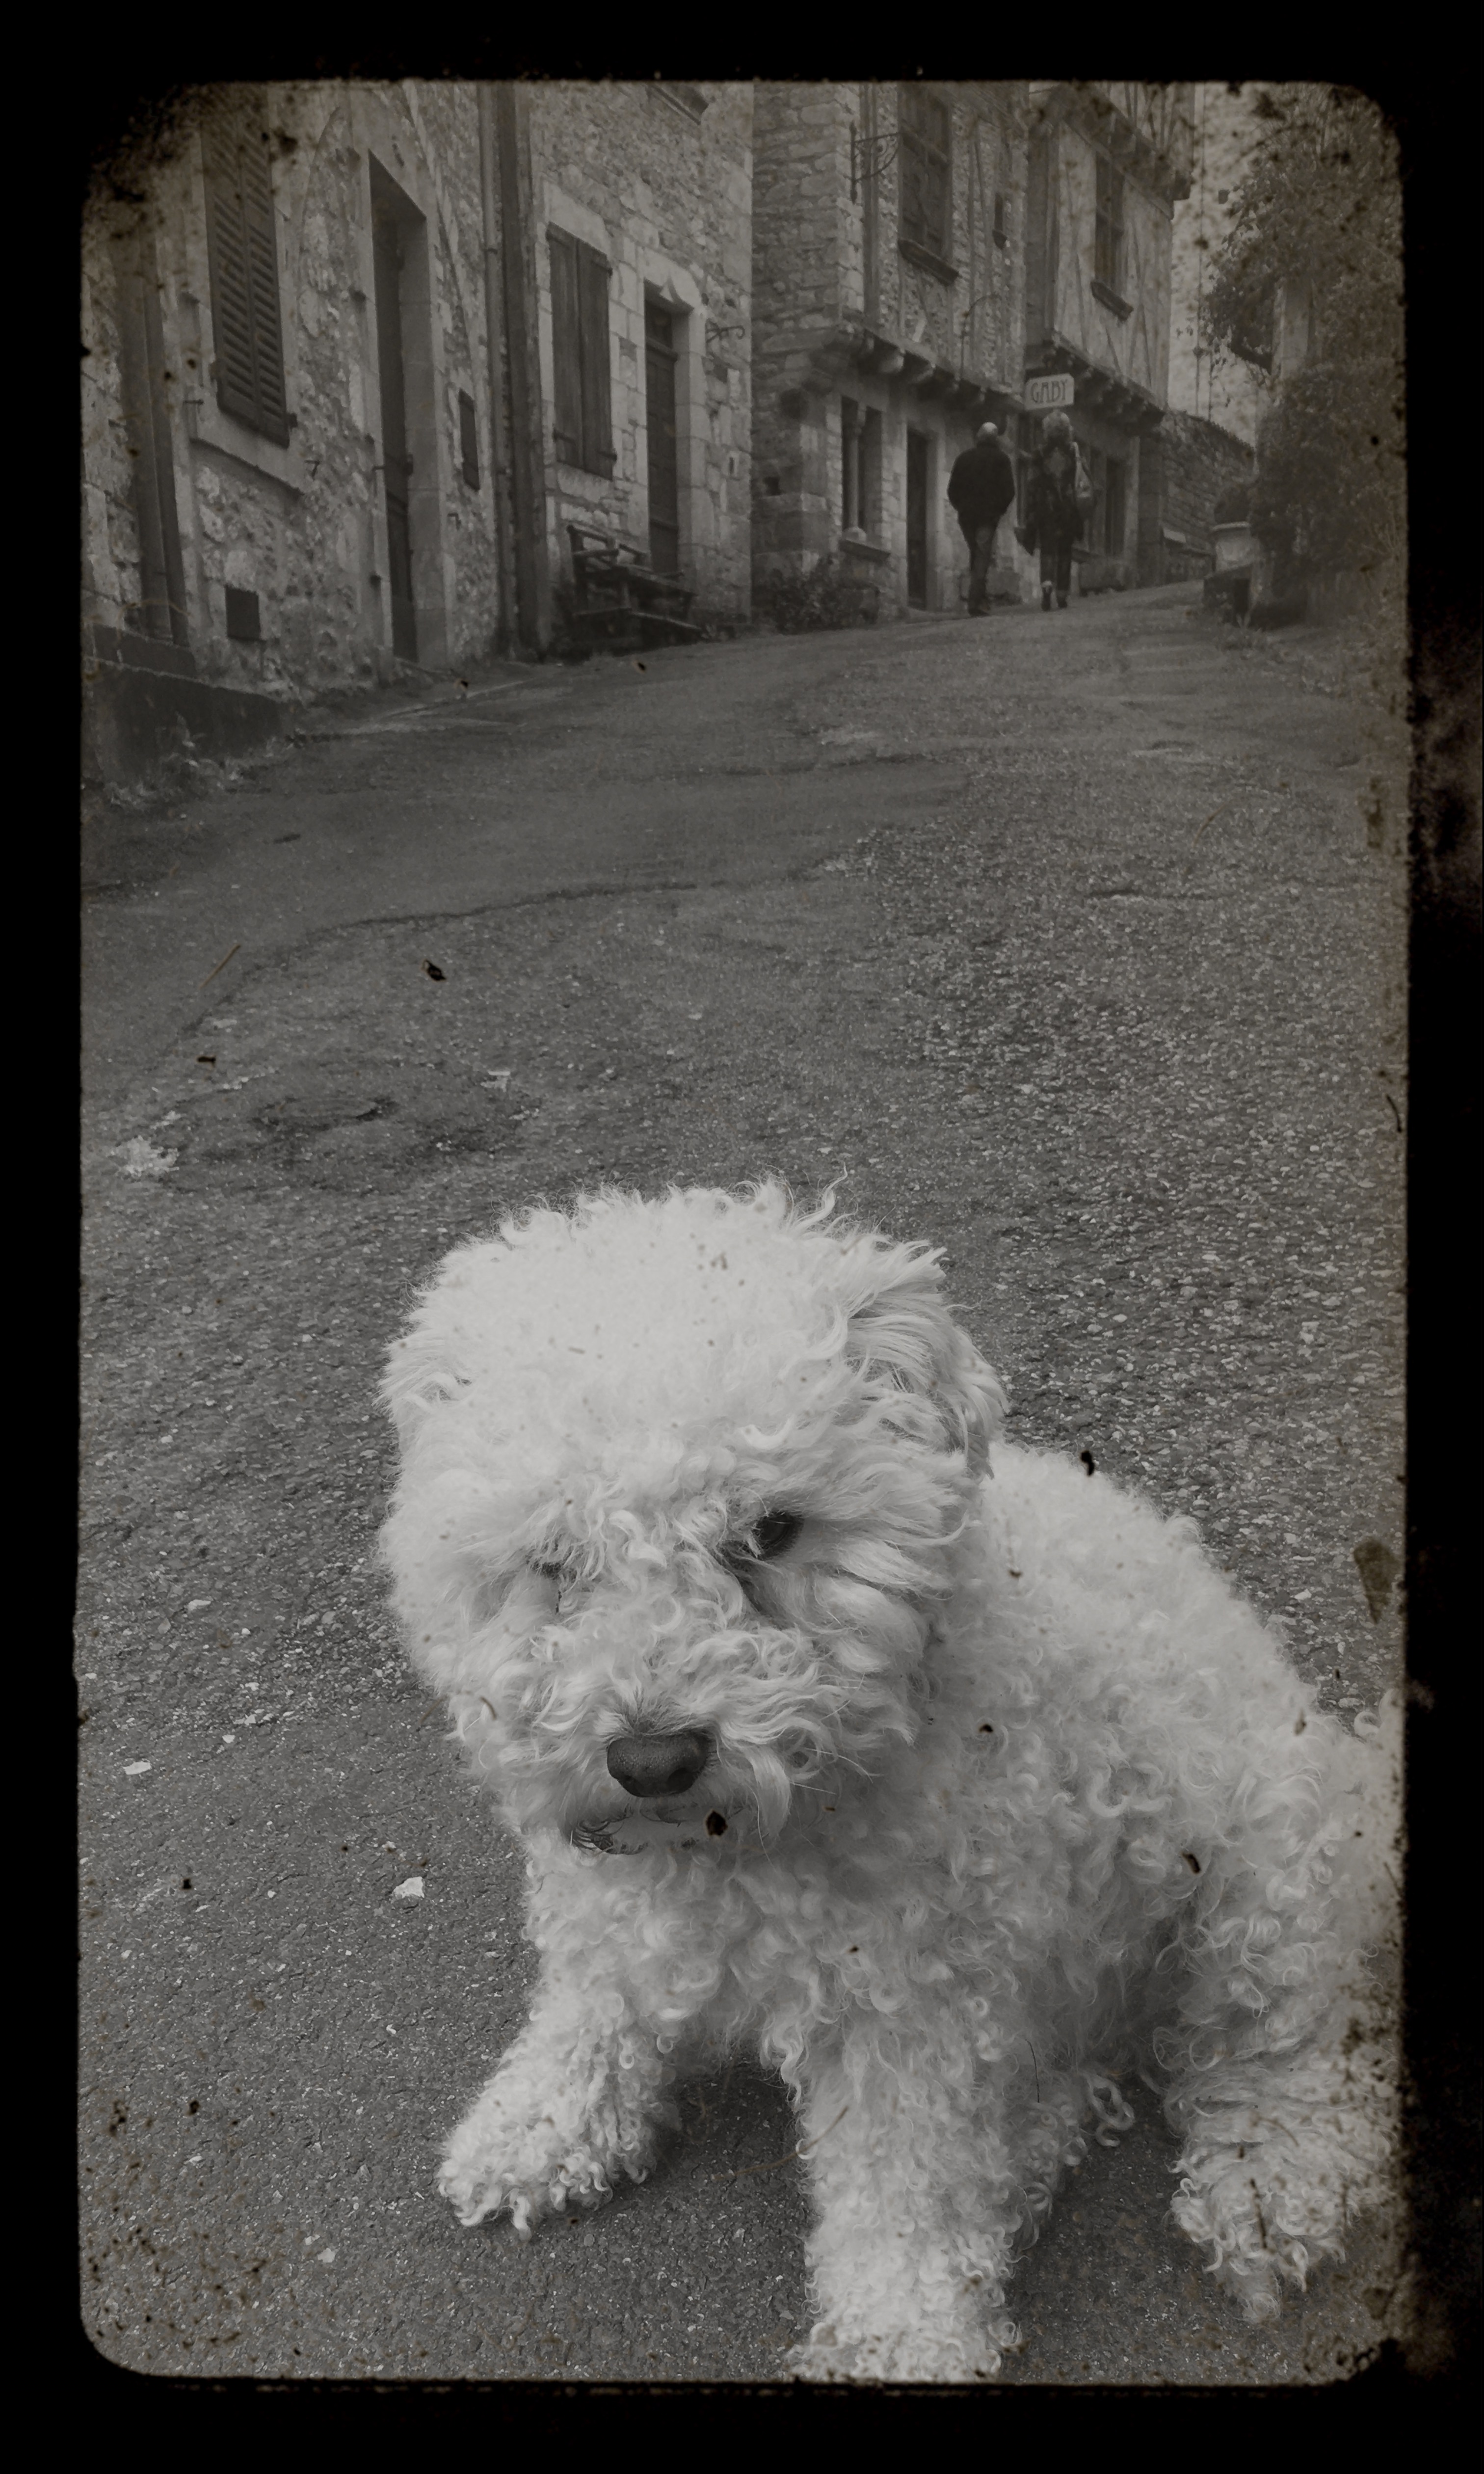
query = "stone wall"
x=1198 y=461
x=660 y=181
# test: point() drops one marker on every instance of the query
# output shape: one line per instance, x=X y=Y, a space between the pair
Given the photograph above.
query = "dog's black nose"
x=657 y=1764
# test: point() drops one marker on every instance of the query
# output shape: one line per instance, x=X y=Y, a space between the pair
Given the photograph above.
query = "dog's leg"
x=1285 y=2068
x=1282 y=2152
x=917 y=2205
x=576 y=2101
x=579 y=2096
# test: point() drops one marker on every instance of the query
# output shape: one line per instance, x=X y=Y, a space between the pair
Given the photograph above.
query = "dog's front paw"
x=490 y=2168
x=916 y=2357
x=820 y=2356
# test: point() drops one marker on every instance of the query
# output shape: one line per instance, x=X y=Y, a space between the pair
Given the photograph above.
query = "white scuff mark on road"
x=141 y=1159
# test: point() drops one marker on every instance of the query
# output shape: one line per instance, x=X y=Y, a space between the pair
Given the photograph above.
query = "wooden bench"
x=617 y=595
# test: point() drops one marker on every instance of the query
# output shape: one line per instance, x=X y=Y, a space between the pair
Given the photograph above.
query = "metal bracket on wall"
x=870 y=158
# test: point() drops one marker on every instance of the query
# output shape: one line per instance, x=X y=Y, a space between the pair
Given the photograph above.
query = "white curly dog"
x=951 y=1792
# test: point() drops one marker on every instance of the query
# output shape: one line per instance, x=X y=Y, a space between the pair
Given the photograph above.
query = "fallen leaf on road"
x=409 y=1889
x=433 y=971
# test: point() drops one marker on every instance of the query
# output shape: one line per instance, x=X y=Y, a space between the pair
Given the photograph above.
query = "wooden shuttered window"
x=925 y=143
x=468 y=440
x=243 y=246
x=583 y=418
x=1108 y=231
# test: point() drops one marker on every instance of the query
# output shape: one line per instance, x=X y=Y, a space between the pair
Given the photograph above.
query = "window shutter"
x=597 y=403
x=924 y=139
x=1108 y=242
x=243 y=246
x=468 y=440
x=566 y=348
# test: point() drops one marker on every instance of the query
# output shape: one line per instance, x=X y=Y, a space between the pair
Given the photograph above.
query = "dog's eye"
x=550 y=1569
x=770 y=1537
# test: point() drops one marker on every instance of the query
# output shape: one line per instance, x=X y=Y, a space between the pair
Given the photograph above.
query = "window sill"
x=208 y=425
x=1110 y=299
x=928 y=259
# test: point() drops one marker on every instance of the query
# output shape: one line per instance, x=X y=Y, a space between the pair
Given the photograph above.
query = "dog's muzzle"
x=657 y=1765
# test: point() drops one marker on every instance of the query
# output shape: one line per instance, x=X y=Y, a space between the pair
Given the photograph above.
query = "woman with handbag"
x=1058 y=501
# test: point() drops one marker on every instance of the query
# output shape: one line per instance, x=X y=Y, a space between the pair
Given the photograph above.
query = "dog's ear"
x=902 y=1327
x=417 y=1376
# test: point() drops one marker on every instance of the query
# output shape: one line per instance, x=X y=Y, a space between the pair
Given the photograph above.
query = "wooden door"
x=396 y=463
x=916 y=518
x=664 y=494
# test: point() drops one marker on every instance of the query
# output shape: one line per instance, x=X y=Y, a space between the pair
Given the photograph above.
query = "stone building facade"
x=287 y=454
x=357 y=358
x=1106 y=163
x=887 y=322
x=375 y=373
x=635 y=205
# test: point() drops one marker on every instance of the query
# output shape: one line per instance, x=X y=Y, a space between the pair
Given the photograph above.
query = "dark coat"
x=982 y=483
x=1051 y=509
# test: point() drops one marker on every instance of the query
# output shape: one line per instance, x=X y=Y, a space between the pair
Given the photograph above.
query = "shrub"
x=825 y=597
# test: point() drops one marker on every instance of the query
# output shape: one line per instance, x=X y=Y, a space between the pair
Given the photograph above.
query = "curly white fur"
x=1005 y=1793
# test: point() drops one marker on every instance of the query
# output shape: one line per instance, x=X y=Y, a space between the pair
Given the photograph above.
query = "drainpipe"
x=869 y=240
x=526 y=443
x=500 y=475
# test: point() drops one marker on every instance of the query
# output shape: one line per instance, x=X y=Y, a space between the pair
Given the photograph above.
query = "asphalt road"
x=1074 y=943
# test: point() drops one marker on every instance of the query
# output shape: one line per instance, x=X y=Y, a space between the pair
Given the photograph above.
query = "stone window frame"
x=581 y=386
x=862 y=454
x=209 y=427
x=250 y=368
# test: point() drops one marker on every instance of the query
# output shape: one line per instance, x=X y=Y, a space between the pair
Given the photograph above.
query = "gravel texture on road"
x=1072 y=944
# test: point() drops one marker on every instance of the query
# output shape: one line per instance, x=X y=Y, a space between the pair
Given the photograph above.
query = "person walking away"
x=1057 y=502
x=980 y=487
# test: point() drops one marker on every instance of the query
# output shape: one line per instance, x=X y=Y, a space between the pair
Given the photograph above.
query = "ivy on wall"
x=1309 y=287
